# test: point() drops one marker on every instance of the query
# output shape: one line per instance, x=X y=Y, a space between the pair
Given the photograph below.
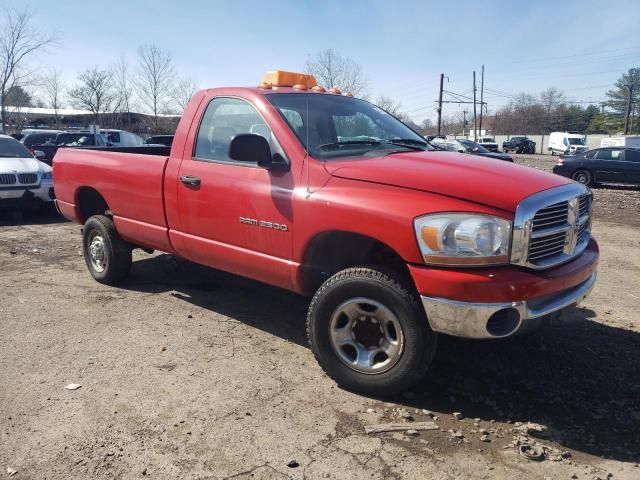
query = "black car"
x=159 y=140
x=37 y=138
x=468 y=146
x=519 y=145
x=611 y=164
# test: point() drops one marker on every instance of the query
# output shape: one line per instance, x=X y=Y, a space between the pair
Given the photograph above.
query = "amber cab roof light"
x=280 y=78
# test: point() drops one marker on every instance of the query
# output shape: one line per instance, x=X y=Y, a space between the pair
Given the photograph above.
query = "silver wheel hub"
x=97 y=252
x=366 y=335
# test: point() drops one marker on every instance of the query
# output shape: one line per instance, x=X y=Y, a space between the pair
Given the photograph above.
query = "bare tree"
x=18 y=98
x=95 y=92
x=124 y=88
x=154 y=80
x=183 y=92
x=19 y=42
x=52 y=89
x=551 y=98
x=333 y=70
x=388 y=104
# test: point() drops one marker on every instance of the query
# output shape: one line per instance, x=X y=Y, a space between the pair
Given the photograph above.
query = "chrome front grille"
x=28 y=178
x=7 y=179
x=551 y=216
x=552 y=227
x=547 y=246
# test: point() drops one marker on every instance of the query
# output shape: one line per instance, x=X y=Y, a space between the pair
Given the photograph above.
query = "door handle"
x=190 y=180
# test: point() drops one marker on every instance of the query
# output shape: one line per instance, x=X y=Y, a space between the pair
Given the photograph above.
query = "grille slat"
x=28 y=178
x=552 y=216
x=7 y=179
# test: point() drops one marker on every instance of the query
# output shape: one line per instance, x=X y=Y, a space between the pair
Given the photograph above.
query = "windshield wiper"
x=409 y=143
x=327 y=146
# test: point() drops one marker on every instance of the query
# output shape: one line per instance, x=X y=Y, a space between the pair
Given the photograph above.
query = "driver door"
x=235 y=216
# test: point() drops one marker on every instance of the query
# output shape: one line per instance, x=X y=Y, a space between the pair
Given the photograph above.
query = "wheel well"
x=330 y=252
x=89 y=203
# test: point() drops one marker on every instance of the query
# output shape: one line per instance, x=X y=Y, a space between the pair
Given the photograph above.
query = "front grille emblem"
x=572 y=219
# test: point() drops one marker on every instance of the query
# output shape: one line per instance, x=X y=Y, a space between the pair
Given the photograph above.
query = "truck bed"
x=130 y=179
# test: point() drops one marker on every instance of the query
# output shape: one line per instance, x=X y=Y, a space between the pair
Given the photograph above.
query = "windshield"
x=11 y=148
x=343 y=126
x=576 y=141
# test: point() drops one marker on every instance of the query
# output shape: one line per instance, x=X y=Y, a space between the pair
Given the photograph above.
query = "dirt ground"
x=188 y=372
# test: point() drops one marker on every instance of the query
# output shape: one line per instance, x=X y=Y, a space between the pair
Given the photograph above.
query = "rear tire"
x=369 y=333
x=583 y=176
x=107 y=256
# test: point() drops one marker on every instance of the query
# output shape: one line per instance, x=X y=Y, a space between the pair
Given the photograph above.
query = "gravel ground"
x=187 y=372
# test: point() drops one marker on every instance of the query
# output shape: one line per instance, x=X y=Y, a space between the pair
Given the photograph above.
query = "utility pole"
x=464 y=120
x=440 y=102
x=626 y=117
x=481 y=99
x=475 y=125
x=633 y=114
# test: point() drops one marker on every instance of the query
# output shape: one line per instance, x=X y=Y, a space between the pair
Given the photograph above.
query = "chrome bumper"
x=498 y=320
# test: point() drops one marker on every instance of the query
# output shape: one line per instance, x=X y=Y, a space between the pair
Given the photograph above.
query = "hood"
x=468 y=177
x=22 y=165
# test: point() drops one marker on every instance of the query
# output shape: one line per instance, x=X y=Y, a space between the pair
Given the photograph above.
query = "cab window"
x=632 y=156
x=223 y=119
x=609 y=154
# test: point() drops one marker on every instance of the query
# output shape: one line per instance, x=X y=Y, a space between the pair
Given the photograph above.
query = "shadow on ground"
x=45 y=216
x=579 y=377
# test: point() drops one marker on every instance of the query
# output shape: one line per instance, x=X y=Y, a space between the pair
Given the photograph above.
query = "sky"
x=580 y=47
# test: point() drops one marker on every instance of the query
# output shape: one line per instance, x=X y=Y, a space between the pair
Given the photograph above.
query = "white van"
x=630 y=141
x=564 y=143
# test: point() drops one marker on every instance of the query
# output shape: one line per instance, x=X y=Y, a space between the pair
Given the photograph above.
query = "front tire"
x=583 y=176
x=369 y=332
x=107 y=256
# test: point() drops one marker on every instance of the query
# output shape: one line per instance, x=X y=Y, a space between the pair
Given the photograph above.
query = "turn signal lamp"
x=280 y=78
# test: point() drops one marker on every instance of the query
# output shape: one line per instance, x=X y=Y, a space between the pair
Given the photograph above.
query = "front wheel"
x=107 y=256
x=369 y=332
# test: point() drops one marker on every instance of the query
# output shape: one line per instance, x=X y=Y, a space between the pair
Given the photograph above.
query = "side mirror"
x=250 y=147
x=39 y=154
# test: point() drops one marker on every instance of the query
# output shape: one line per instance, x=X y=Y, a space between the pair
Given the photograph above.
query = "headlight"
x=463 y=239
x=47 y=176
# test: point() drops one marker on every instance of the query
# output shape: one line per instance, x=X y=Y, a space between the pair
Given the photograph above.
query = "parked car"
x=25 y=182
x=615 y=165
x=519 y=145
x=566 y=143
x=394 y=242
x=166 y=140
x=38 y=137
x=489 y=143
x=121 y=138
x=70 y=139
x=631 y=141
x=468 y=146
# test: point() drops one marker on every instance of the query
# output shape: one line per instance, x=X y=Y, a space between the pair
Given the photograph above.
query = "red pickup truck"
x=323 y=194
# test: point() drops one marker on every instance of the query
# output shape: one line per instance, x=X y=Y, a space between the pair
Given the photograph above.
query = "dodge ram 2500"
x=320 y=193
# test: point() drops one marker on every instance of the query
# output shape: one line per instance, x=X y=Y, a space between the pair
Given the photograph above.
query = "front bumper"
x=23 y=197
x=498 y=320
x=501 y=301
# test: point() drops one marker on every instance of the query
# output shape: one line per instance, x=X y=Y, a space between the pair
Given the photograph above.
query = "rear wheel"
x=107 y=256
x=582 y=176
x=369 y=332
